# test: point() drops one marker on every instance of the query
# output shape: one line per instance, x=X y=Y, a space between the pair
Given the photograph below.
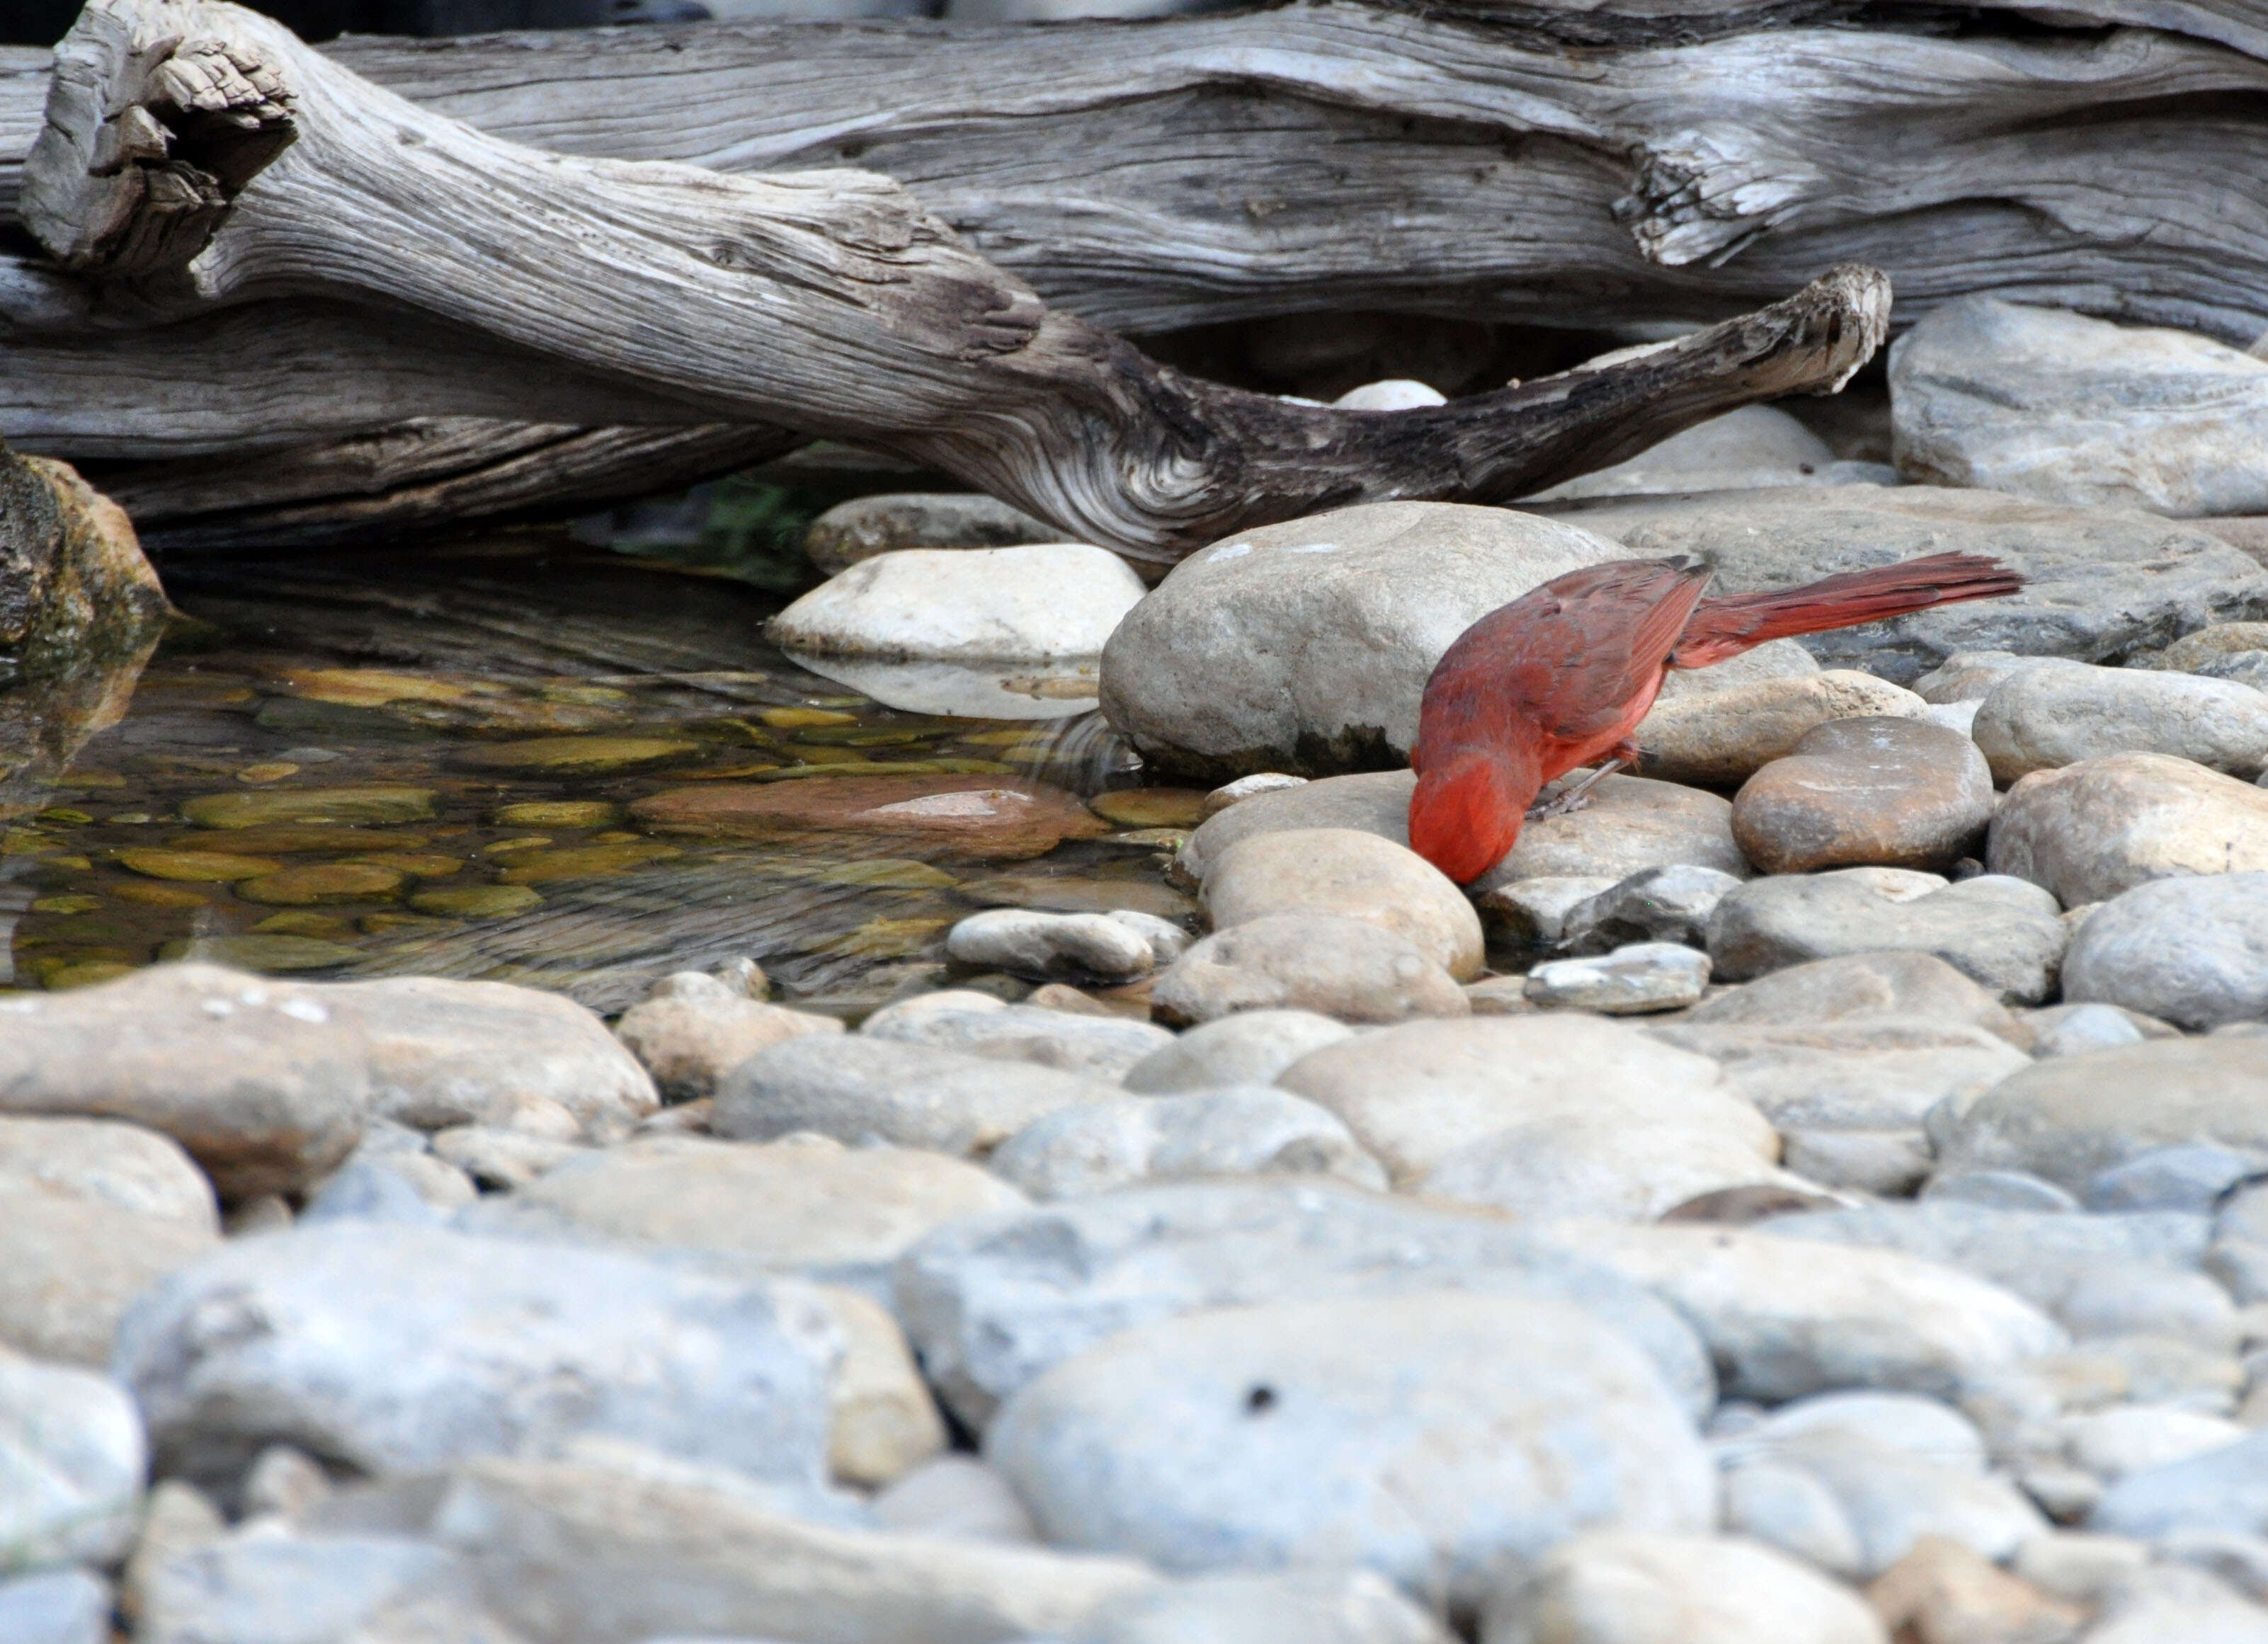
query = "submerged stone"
x=324 y=882
x=201 y=867
x=375 y=803
x=263 y=952
x=559 y=814
x=983 y=816
x=541 y=867
x=581 y=755
x=288 y=841
x=158 y=896
x=416 y=863
x=477 y=901
x=1150 y=807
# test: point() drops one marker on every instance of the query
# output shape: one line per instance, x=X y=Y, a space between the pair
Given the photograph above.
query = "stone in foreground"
x=1346 y=969
x=1242 y=1131
x=1867 y=792
x=2070 y=1119
x=386 y=1348
x=1416 y=1094
x=1783 y=1317
x=71 y=1462
x=857 y=1088
x=1633 y=980
x=1305 y=646
x=1998 y=931
x=2057 y=714
x=1427 y=1437
x=804 y=1203
x=1719 y=738
x=2092 y=829
x=995 y=1301
x=255 y=1078
x=1622 y=1586
x=1354 y=875
x=95 y=1212
x=2193 y=951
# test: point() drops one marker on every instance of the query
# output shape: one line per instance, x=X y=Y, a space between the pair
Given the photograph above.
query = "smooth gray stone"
x=365 y=1191
x=1430 y=1437
x=2193 y=951
x=994 y=1301
x=2224 y=1490
x=1998 y=1189
x=384 y=1347
x=2045 y=403
x=72 y=1463
x=2002 y=933
x=857 y=1088
x=1655 y=904
x=1305 y=646
x=54 y=1607
x=1249 y=1048
x=2189 y=1179
x=285 y=1590
x=1295 y=1607
x=2075 y=1267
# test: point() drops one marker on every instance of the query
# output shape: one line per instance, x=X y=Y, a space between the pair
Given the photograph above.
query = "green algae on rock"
x=297 y=841
x=581 y=755
x=541 y=867
x=1150 y=807
x=201 y=868
x=477 y=901
x=559 y=814
x=263 y=953
x=378 y=803
x=323 y=882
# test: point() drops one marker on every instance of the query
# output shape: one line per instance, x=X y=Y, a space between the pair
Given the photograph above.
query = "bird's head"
x=1465 y=815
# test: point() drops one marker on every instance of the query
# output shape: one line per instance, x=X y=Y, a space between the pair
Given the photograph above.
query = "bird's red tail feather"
x=1723 y=628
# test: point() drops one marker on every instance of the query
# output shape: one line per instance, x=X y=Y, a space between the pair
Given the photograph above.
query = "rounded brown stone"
x=1150 y=807
x=198 y=867
x=324 y=882
x=1004 y=818
x=1874 y=791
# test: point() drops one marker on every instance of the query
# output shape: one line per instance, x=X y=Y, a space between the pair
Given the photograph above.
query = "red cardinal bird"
x=1562 y=676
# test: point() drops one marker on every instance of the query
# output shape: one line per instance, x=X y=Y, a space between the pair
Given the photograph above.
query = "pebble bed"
x=530 y=1116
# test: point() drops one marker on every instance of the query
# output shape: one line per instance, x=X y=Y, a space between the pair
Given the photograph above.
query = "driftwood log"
x=197 y=158
x=1352 y=157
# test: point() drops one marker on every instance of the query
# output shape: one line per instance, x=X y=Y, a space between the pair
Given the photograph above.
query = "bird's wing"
x=1606 y=645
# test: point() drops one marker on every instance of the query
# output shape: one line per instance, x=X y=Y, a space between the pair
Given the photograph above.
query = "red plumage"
x=1562 y=675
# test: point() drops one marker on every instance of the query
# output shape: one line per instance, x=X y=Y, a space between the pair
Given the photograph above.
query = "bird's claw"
x=1564 y=805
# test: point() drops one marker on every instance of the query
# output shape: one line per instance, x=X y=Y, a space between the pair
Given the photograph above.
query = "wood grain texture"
x=423 y=475
x=1334 y=155
x=1316 y=157
x=830 y=302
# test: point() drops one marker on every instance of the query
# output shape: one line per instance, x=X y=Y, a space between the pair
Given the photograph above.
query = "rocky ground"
x=1816 y=1194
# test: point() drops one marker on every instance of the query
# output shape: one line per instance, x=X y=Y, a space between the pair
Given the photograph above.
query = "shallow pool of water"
x=428 y=764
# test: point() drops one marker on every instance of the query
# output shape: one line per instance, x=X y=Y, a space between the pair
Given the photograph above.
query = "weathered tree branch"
x=830 y=302
x=1357 y=157
x=422 y=475
x=1353 y=158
